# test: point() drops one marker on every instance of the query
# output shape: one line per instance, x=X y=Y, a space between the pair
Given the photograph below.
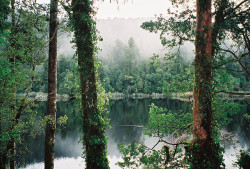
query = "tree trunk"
x=12 y=151
x=93 y=125
x=52 y=88
x=13 y=60
x=3 y=157
x=205 y=150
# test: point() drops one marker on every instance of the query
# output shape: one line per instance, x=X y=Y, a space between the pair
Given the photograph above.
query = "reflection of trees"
x=68 y=136
x=124 y=134
x=128 y=115
x=32 y=149
x=70 y=133
x=122 y=112
x=35 y=152
x=128 y=112
x=71 y=110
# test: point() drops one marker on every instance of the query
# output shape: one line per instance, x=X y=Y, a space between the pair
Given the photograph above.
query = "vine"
x=93 y=121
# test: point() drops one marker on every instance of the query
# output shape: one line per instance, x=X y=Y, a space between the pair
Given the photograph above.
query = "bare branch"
x=238 y=58
x=174 y=144
x=231 y=11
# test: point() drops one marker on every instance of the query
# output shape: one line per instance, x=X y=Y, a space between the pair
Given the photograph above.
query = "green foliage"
x=11 y=126
x=225 y=81
x=180 y=25
x=175 y=31
x=62 y=120
x=125 y=71
x=93 y=120
x=230 y=28
x=67 y=76
x=163 y=122
x=4 y=11
x=247 y=116
x=22 y=49
x=179 y=78
x=193 y=162
x=120 y=73
x=243 y=159
x=137 y=155
x=225 y=110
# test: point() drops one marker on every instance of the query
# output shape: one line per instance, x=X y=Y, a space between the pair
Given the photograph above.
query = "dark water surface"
x=126 y=118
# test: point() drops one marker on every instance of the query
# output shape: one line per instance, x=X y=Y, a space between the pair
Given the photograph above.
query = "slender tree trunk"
x=52 y=88
x=13 y=60
x=12 y=151
x=205 y=151
x=3 y=161
x=3 y=157
x=93 y=128
x=1 y=143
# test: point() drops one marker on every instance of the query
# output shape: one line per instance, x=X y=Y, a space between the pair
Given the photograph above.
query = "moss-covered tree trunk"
x=52 y=88
x=11 y=148
x=204 y=151
x=93 y=125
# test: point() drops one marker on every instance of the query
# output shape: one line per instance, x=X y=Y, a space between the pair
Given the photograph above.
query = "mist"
x=122 y=29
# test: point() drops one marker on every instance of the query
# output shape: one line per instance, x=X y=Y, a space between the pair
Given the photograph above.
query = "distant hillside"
x=122 y=29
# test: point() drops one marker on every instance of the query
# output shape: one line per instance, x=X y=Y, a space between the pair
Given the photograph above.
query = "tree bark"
x=52 y=87
x=12 y=151
x=203 y=72
x=205 y=151
x=13 y=61
x=3 y=157
x=93 y=128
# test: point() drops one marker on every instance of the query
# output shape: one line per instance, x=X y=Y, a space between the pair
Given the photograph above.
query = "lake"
x=127 y=117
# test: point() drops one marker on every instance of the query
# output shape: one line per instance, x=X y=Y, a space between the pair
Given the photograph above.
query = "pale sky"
x=130 y=9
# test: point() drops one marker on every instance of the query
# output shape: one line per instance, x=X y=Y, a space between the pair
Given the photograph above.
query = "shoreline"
x=186 y=97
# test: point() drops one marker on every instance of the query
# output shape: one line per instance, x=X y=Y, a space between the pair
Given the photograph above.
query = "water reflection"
x=126 y=118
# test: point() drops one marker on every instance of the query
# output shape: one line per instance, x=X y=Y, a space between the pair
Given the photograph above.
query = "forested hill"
x=127 y=65
x=125 y=53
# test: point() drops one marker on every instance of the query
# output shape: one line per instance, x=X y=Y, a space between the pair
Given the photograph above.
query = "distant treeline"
x=125 y=70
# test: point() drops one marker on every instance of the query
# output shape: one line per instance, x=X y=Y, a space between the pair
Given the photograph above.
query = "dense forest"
x=111 y=86
x=125 y=70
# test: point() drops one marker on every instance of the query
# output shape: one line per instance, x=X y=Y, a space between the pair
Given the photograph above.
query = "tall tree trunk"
x=13 y=60
x=205 y=150
x=93 y=125
x=12 y=151
x=52 y=87
x=3 y=157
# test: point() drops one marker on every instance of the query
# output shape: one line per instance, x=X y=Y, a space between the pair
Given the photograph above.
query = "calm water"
x=126 y=118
